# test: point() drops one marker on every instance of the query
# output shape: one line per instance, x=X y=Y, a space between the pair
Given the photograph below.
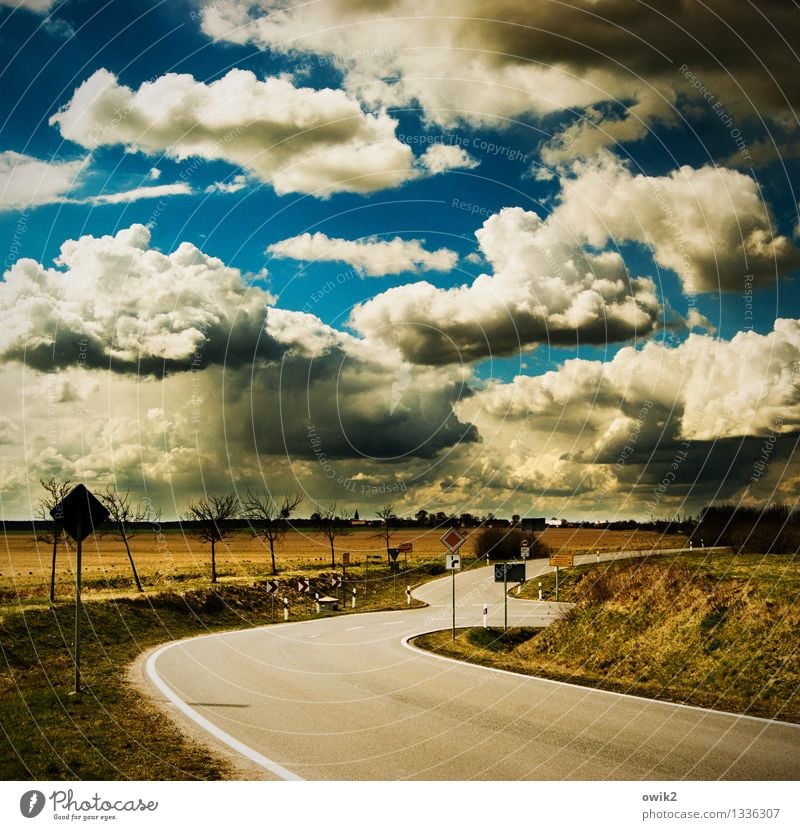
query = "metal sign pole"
x=454 y=603
x=505 y=596
x=556 y=583
x=79 y=556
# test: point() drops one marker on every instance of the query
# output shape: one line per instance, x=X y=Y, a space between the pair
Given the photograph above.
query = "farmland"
x=174 y=560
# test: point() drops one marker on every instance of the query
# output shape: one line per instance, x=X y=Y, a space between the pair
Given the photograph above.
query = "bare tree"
x=387 y=515
x=210 y=514
x=331 y=526
x=125 y=515
x=56 y=490
x=270 y=519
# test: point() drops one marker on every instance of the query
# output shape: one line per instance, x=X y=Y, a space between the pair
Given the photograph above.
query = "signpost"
x=525 y=549
x=393 y=554
x=452 y=563
x=560 y=560
x=272 y=587
x=503 y=571
x=453 y=540
x=79 y=514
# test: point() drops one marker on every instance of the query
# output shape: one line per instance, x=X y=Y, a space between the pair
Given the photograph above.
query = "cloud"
x=36 y=6
x=115 y=302
x=154 y=192
x=709 y=225
x=545 y=288
x=297 y=139
x=371 y=257
x=607 y=435
x=439 y=158
x=462 y=65
x=236 y=184
x=27 y=182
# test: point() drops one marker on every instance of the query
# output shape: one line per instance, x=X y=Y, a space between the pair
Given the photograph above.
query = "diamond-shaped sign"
x=453 y=540
x=79 y=513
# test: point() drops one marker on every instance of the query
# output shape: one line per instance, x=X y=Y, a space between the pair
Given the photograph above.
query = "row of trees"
x=211 y=517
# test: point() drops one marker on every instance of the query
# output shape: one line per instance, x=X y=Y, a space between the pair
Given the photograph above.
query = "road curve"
x=349 y=698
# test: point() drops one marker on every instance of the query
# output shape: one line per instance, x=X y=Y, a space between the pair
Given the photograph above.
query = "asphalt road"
x=348 y=698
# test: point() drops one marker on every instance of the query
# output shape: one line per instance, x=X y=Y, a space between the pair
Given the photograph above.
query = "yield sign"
x=336 y=581
x=303 y=585
x=453 y=540
x=79 y=513
x=272 y=586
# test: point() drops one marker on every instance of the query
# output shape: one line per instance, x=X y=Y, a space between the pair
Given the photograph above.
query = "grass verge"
x=111 y=732
x=718 y=631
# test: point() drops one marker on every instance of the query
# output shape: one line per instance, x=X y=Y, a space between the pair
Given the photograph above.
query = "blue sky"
x=624 y=160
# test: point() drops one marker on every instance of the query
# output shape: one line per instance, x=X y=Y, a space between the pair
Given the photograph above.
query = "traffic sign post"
x=503 y=571
x=525 y=549
x=79 y=514
x=405 y=549
x=272 y=587
x=393 y=554
x=560 y=560
x=452 y=563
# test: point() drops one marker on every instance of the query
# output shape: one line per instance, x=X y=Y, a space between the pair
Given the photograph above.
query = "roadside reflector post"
x=285 y=609
x=316 y=603
x=598 y=556
x=485 y=615
x=408 y=594
x=540 y=592
x=354 y=597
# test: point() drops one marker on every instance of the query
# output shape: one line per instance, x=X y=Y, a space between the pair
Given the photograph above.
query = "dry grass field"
x=174 y=559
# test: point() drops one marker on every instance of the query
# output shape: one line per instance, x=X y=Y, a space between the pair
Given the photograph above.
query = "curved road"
x=348 y=698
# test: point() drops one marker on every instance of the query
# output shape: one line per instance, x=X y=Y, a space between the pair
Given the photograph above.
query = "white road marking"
x=397 y=622
x=311 y=636
x=355 y=628
x=204 y=723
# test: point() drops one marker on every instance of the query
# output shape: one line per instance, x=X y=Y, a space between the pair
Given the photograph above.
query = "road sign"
x=303 y=585
x=525 y=549
x=406 y=547
x=345 y=558
x=452 y=561
x=394 y=553
x=79 y=513
x=453 y=540
x=561 y=560
x=336 y=581
x=509 y=572
x=272 y=586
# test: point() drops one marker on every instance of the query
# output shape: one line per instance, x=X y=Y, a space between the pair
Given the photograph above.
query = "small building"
x=554 y=522
x=533 y=525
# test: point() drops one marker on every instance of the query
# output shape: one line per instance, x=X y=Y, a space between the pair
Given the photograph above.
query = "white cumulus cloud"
x=297 y=139
x=371 y=257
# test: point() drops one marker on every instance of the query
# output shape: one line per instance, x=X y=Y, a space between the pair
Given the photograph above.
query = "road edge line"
x=205 y=724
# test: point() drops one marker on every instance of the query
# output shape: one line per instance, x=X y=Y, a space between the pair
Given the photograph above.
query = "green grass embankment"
x=718 y=630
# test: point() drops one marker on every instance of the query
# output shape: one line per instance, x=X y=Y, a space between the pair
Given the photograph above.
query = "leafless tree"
x=387 y=515
x=210 y=514
x=331 y=526
x=269 y=518
x=56 y=490
x=125 y=515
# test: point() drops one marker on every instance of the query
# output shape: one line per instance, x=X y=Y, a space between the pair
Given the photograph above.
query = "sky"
x=519 y=257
